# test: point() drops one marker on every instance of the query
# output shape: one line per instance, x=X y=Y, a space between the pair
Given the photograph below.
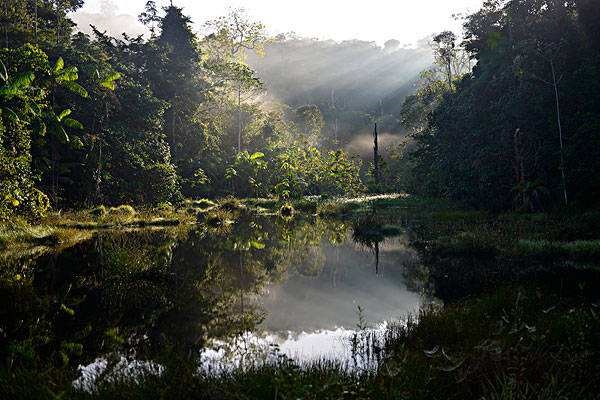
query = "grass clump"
x=216 y=217
x=122 y=211
x=20 y=232
x=201 y=204
x=231 y=204
x=530 y=333
x=269 y=204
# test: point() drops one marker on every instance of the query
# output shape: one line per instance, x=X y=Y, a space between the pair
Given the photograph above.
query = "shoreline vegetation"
x=558 y=235
x=60 y=227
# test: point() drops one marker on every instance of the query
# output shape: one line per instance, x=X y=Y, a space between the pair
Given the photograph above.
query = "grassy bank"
x=58 y=228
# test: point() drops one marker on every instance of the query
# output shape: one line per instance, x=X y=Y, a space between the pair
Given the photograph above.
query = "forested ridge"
x=353 y=83
x=506 y=118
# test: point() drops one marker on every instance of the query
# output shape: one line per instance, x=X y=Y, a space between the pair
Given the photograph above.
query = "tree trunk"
x=239 y=117
x=560 y=135
x=376 y=157
x=335 y=122
x=35 y=16
x=377 y=258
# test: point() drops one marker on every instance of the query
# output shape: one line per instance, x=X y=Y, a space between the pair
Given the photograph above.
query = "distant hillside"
x=349 y=80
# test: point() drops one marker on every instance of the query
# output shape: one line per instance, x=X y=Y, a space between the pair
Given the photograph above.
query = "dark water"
x=221 y=296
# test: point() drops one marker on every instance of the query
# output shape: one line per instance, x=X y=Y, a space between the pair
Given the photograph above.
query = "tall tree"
x=444 y=45
x=176 y=77
x=233 y=36
x=489 y=142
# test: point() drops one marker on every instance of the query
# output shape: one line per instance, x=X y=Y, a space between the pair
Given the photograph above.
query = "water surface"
x=224 y=295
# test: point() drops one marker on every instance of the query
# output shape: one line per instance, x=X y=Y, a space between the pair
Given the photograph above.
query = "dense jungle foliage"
x=99 y=120
x=191 y=176
x=506 y=118
x=521 y=130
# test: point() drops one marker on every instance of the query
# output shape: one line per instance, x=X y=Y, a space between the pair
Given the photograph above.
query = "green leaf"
x=72 y=123
x=110 y=85
x=67 y=310
x=64 y=114
x=23 y=80
x=4 y=72
x=62 y=134
x=257 y=245
x=109 y=81
x=70 y=74
x=76 y=88
x=257 y=155
x=60 y=64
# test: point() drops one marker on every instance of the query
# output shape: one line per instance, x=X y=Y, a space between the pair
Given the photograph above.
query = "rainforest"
x=206 y=207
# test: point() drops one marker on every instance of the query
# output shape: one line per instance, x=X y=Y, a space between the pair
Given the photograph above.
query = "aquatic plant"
x=202 y=204
x=231 y=204
x=217 y=217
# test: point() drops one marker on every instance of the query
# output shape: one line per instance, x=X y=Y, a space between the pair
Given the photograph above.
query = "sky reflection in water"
x=310 y=318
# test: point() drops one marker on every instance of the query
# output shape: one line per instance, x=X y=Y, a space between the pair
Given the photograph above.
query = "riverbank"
x=517 y=314
x=64 y=227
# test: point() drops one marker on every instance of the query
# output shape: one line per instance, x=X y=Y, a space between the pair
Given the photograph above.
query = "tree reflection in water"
x=166 y=300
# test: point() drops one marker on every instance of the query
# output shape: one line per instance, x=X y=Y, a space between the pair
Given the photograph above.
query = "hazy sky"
x=372 y=20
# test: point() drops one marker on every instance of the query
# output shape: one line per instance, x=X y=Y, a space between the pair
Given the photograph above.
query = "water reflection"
x=312 y=313
x=328 y=299
x=165 y=298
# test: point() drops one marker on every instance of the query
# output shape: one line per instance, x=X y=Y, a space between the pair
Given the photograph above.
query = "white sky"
x=372 y=20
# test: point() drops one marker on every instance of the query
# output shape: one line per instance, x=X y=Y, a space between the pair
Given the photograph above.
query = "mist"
x=108 y=19
x=352 y=82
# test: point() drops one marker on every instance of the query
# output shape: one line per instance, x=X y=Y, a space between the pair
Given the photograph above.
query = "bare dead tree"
x=550 y=57
x=376 y=156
